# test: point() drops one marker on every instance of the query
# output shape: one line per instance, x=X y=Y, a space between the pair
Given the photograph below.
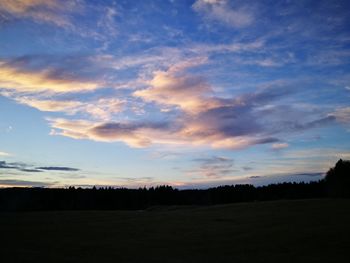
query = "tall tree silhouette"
x=338 y=179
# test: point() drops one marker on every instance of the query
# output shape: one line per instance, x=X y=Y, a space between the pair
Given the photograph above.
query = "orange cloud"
x=204 y=121
x=50 y=105
x=176 y=88
x=19 y=80
x=279 y=146
x=342 y=115
x=23 y=6
x=79 y=129
x=39 y=10
x=102 y=109
x=145 y=134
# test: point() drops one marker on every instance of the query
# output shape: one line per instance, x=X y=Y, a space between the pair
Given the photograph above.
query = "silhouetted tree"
x=338 y=179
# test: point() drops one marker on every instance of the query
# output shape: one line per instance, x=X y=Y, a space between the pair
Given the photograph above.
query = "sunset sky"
x=186 y=93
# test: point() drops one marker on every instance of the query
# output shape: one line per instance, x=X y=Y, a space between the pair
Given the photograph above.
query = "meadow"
x=315 y=230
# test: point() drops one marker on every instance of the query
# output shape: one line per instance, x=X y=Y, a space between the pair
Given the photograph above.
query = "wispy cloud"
x=279 y=146
x=107 y=21
x=342 y=115
x=133 y=134
x=24 y=167
x=101 y=109
x=18 y=166
x=5 y=154
x=97 y=22
x=223 y=12
x=57 y=168
x=50 y=105
x=213 y=167
x=21 y=80
x=24 y=183
x=48 y=11
x=147 y=134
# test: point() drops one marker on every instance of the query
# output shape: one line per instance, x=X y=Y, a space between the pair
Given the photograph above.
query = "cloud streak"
x=213 y=167
x=5 y=154
x=221 y=11
x=101 y=109
x=342 y=115
x=23 y=167
x=46 y=11
x=22 y=80
x=23 y=183
x=57 y=168
x=279 y=146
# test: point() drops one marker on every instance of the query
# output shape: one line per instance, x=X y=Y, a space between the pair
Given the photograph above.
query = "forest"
x=336 y=184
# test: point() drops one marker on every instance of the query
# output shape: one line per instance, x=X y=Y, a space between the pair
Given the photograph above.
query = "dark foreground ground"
x=279 y=231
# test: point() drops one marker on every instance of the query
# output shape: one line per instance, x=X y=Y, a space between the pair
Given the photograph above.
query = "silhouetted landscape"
x=335 y=184
x=170 y=225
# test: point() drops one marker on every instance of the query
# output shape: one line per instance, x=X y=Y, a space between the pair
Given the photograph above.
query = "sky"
x=192 y=94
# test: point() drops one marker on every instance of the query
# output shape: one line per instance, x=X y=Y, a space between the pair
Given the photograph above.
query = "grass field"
x=279 y=231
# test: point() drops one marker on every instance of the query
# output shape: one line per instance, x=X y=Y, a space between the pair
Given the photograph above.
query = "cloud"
x=191 y=114
x=201 y=118
x=176 y=88
x=319 y=174
x=30 y=170
x=4 y=165
x=44 y=85
x=21 y=80
x=255 y=177
x=212 y=167
x=234 y=47
x=101 y=109
x=279 y=146
x=137 y=180
x=72 y=176
x=342 y=115
x=138 y=134
x=247 y=168
x=58 y=168
x=5 y=154
x=23 y=183
x=189 y=55
x=221 y=11
x=133 y=134
x=48 y=11
x=50 y=105
x=107 y=21
x=18 y=166
x=23 y=167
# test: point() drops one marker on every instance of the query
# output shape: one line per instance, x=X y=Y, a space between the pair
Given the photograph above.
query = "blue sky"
x=187 y=93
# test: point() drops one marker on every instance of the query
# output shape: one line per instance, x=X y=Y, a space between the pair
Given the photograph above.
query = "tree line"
x=335 y=184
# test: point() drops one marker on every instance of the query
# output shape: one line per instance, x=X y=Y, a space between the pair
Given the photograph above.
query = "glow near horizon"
x=187 y=93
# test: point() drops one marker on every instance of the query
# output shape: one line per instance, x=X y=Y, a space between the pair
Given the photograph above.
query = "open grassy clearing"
x=279 y=231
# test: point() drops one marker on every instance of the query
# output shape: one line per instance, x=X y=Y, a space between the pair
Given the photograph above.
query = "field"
x=278 y=231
